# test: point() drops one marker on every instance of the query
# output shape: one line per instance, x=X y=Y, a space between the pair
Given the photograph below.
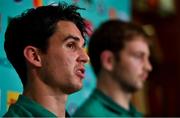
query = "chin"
x=139 y=87
x=73 y=89
x=134 y=88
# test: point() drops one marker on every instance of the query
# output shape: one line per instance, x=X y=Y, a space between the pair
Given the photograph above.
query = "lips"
x=144 y=76
x=80 y=72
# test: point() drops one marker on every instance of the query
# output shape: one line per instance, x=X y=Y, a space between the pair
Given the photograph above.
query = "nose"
x=148 y=65
x=83 y=56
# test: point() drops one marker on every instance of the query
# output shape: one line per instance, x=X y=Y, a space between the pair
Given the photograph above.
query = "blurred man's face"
x=133 y=66
x=63 y=64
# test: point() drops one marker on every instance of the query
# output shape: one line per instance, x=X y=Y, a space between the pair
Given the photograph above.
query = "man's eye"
x=71 y=45
x=137 y=55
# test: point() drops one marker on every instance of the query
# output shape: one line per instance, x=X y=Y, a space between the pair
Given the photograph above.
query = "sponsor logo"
x=12 y=97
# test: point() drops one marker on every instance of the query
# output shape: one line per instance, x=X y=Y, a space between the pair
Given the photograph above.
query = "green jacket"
x=100 y=105
x=25 y=107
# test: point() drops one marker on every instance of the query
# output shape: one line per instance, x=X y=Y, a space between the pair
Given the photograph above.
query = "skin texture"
x=59 y=71
x=124 y=74
x=133 y=66
x=63 y=65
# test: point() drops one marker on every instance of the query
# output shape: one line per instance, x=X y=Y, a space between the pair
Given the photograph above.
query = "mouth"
x=80 y=73
x=144 y=76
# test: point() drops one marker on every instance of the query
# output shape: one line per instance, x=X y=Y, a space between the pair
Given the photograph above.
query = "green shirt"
x=100 y=105
x=27 y=108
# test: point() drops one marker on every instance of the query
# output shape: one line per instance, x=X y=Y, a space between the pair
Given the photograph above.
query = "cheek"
x=60 y=62
x=131 y=66
x=55 y=63
x=68 y=60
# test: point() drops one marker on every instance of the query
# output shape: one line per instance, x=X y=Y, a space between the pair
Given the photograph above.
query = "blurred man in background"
x=46 y=47
x=119 y=54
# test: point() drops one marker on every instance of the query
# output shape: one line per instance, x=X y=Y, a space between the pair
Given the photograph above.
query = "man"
x=119 y=54
x=46 y=47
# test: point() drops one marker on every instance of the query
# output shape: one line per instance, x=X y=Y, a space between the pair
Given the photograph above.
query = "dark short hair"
x=35 y=27
x=111 y=35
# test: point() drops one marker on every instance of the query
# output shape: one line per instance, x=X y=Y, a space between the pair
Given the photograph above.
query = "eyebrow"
x=75 y=38
x=144 y=53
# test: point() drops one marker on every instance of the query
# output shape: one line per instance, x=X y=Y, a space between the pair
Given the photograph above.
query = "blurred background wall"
x=96 y=12
x=163 y=19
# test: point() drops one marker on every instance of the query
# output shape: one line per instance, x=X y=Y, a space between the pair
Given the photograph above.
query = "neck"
x=52 y=100
x=111 y=88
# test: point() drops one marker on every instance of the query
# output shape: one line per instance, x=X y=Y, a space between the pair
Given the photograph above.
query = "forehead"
x=137 y=44
x=68 y=28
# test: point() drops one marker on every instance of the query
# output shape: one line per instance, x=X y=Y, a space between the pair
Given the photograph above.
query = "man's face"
x=133 y=66
x=63 y=64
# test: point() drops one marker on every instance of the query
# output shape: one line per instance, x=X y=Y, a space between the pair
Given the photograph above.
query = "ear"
x=107 y=60
x=31 y=54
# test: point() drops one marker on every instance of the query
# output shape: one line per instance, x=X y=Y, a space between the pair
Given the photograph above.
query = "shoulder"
x=15 y=111
x=91 y=107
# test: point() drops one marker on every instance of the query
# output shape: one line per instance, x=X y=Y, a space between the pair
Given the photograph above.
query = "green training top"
x=100 y=105
x=25 y=107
